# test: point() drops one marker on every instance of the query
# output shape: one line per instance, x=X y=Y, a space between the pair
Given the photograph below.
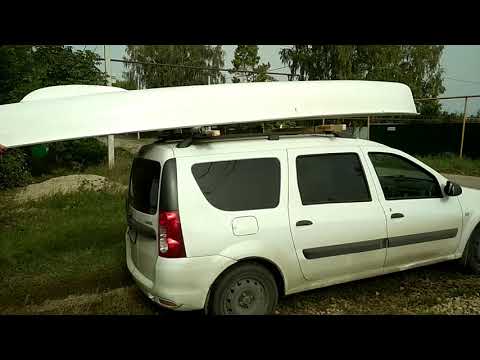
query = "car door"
x=422 y=223
x=337 y=223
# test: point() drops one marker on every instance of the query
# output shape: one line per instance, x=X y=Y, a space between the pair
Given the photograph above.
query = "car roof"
x=262 y=143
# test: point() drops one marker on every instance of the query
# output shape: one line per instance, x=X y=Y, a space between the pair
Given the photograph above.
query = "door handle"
x=397 y=216
x=304 y=223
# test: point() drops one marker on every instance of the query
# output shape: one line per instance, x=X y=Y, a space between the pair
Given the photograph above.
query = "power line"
x=283 y=67
x=466 y=81
x=449 y=97
x=196 y=67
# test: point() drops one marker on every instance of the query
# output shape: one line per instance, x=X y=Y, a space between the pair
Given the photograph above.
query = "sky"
x=461 y=64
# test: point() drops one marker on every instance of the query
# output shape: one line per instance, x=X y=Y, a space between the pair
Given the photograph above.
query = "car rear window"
x=144 y=182
x=246 y=184
x=331 y=178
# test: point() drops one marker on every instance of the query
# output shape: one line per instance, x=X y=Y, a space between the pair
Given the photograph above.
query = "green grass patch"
x=66 y=244
x=451 y=164
x=120 y=172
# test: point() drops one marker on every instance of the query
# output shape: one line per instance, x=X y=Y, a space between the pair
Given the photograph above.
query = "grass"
x=120 y=172
x=451 y=164
x=62 y=245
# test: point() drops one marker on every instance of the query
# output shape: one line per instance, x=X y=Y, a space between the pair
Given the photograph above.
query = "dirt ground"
x=66 y=184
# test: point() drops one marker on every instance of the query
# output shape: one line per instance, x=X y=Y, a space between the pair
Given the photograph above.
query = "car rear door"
x=337 y=223
x=423 y=224
x=142 y=206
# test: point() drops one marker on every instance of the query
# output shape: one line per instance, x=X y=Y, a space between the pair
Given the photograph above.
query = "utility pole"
x=463 y=128
x=111 y=139
x=208 y=65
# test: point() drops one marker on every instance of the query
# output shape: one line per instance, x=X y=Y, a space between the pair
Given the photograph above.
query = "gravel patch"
x=459 y=305
x=67 y=184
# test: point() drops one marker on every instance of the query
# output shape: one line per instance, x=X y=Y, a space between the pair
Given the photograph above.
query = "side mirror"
x=452 y=189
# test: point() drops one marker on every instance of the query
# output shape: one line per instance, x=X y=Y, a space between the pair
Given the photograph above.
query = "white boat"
x=78 y=111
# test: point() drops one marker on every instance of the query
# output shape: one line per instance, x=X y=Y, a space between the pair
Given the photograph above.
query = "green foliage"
x=61 y=65
x=27 y=68
x=17 y=73
x=417 y=66
x=14 y=169
x=125 y=84
x=247 y=59
x=77 y=154
x=151 y=76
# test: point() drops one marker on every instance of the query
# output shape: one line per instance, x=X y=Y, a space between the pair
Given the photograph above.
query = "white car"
x=230 y=225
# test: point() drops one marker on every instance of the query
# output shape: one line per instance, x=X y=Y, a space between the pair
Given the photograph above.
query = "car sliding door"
x=337 y=222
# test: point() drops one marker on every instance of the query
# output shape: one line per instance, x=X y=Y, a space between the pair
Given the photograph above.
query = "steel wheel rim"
x=245 y=297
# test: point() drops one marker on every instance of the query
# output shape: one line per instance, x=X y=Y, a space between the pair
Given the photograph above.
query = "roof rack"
x=191 y=136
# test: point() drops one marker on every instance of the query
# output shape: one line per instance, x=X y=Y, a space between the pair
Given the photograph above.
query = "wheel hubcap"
x=245 y=300
x=246 y=297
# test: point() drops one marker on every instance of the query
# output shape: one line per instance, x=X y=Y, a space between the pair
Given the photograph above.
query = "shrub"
x=14 y=169
x=77 y=154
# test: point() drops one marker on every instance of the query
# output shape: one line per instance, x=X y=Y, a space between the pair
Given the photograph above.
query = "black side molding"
x=370 y=245
x=422 y=237
x=343 y=249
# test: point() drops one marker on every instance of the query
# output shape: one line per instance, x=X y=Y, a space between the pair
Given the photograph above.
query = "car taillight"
x=170 y=238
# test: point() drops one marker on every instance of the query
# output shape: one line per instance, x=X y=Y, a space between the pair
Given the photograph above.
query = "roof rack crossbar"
x=187 y=138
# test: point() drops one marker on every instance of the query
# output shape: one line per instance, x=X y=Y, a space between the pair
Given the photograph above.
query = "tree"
x=17 y=74
x=27 y=68
x=147 y=75
x=246 y=58
x=125 y=84
x=417 y=66
x=61 y=65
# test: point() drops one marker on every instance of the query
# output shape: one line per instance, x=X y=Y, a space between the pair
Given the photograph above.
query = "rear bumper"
x=179 y=284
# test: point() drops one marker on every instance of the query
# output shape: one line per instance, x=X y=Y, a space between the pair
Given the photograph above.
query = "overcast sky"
x=460 y=62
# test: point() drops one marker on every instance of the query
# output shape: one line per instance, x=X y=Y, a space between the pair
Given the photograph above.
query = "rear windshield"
x=144 y=181
x=237 y=185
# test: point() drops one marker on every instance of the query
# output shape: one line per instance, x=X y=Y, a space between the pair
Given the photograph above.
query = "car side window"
x=236 y=185
x=331 y=178
x=401 y=178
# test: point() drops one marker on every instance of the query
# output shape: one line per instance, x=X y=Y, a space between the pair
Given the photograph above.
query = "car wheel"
x=473 y=254
x=246 y=289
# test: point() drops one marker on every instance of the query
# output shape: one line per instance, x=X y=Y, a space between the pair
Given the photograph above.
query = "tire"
x=473 y=253
x=246 y=289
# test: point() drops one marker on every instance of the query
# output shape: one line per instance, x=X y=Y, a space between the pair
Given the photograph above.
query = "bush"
x=77 y=154
x=14 y=169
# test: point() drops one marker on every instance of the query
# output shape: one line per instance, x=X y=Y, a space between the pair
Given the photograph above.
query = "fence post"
x=110 y=138
x=463 y=127
x=368 y=128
